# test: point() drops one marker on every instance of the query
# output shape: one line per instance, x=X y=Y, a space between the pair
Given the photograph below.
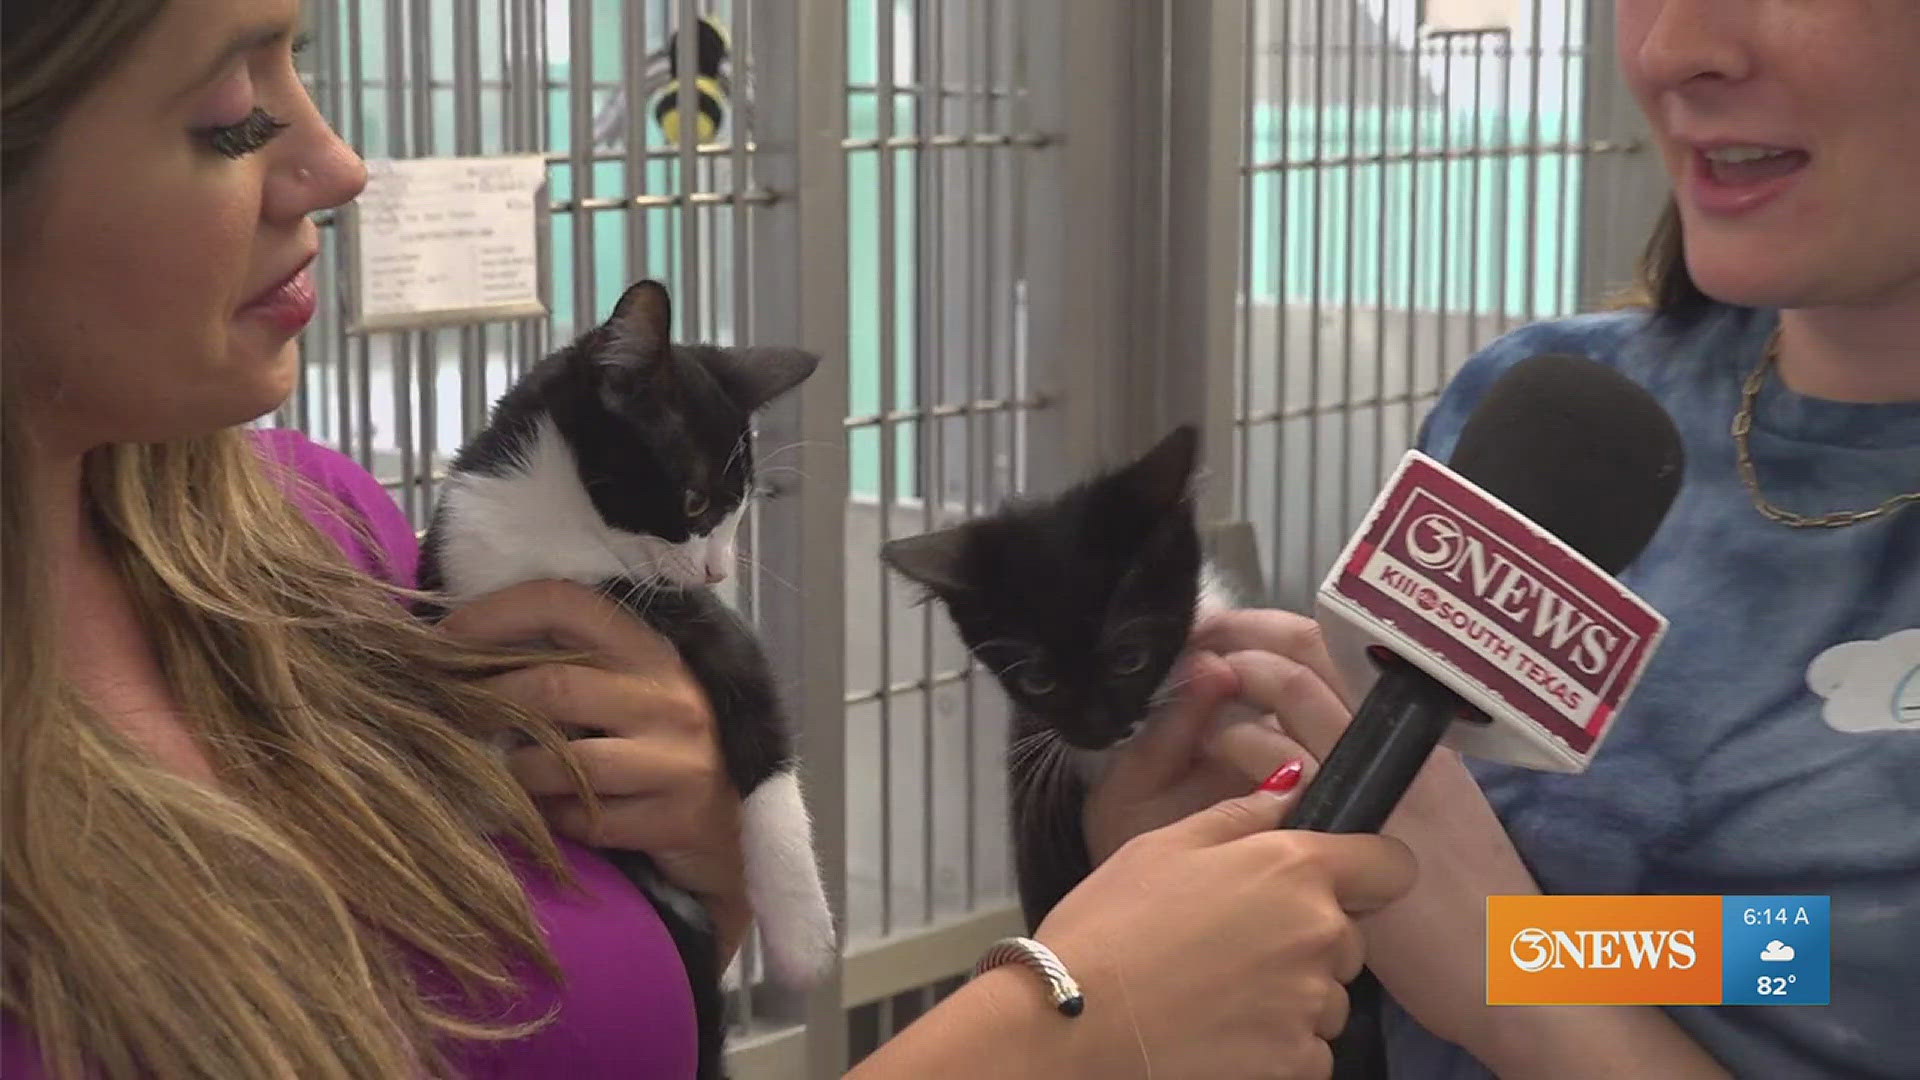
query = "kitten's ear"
x=755 y=376
x=931 y=560
x=646 y=314
x=1163 y=476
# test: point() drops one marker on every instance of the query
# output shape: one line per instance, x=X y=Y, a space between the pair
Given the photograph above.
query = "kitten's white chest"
x=537 y=522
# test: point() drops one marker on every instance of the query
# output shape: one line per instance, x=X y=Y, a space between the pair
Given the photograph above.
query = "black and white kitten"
x=1080 y=604
x=624 y=462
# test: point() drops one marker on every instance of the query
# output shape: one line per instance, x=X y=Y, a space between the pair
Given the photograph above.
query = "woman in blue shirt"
x=1774 y=744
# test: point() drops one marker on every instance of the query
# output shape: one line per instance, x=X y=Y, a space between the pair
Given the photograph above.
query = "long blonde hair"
x=273 y=927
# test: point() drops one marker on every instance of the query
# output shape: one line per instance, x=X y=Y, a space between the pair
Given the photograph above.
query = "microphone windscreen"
x=1580 y=450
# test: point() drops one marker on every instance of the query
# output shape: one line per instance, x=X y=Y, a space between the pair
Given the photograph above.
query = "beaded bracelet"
x=1061 y=988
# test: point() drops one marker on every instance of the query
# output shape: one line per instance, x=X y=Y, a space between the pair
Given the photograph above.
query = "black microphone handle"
x=1370 y=768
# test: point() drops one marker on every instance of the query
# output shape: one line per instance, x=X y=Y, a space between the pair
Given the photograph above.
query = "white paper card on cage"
x=1465 y=16
x=444 y=241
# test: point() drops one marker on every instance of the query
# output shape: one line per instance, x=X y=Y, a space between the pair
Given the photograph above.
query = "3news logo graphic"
x=1603 y=950
x=1658 y=950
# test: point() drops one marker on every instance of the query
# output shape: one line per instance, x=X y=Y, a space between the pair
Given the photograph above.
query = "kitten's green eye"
x=695 y=504
x=1131 y=660
x=1034 y=683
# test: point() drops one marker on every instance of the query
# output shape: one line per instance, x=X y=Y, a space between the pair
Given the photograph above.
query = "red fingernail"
x=1284 y=779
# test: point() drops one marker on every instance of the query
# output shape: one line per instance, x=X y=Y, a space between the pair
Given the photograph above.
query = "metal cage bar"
x=1408 y=196
x=799 y=289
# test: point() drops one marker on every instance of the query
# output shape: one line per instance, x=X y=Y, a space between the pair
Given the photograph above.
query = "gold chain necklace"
x=1743 y=424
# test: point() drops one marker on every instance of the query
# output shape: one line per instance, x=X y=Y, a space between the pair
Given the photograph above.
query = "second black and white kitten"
x=624 y=462
x=1080 y=605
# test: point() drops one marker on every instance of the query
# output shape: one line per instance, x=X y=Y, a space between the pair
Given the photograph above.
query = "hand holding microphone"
x=1458 y=618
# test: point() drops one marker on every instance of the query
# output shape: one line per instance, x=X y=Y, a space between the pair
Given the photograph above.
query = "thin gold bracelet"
x=1061 y=988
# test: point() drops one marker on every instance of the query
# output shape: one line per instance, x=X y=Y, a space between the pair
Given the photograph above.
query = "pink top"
x=624 y=1007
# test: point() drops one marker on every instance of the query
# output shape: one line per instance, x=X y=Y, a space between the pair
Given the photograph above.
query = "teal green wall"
x=1457 y=213
x=866 y=291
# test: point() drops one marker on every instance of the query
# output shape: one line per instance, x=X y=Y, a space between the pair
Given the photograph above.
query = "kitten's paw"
x=804 y=949
x=797 y=936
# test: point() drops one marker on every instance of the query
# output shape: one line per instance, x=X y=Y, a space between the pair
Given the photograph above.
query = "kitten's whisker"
x=796 y=445
x=1024 y=749
x=1026 y=758
x=641 y=591
x=1037 y=754
x=649 y=596
x=1015 y=666
x=1169 y=691
x=1033 y=779
x=997 y=641
x=639 y=585
x=1036 y=735
x=756 y=564
x=1052 y=773
x=1026 y=745
x=1065 y=771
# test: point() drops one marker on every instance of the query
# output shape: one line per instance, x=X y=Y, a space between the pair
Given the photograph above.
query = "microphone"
x=1476 y=603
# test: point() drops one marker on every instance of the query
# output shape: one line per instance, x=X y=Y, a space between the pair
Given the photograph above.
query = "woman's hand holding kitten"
x=655 y=763
x=1208 y=747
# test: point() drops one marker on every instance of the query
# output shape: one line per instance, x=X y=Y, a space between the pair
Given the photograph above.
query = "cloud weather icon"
x=1777 y=951
x=1870 y=685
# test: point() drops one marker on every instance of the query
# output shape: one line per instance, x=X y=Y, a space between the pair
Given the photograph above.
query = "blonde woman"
x=250 y=826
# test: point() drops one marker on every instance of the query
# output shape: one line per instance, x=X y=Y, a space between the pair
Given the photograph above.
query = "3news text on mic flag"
x=1511 y=618
x=1659 y=950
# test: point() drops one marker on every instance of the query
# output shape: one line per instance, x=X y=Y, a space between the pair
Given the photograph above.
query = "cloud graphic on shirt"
x=1870 y=685
x=1777 y=951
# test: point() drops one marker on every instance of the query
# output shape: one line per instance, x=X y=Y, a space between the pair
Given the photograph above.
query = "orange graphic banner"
x=1603 y=950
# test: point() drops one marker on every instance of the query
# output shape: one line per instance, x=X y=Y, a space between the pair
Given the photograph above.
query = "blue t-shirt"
x=1774 y=744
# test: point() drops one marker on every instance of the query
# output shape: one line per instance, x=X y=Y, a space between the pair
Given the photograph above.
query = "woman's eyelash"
x=300 y=43
x=250 y=134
